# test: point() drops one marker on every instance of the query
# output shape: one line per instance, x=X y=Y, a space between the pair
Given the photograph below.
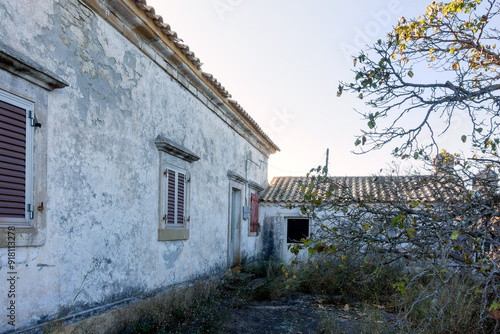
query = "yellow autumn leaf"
x=455 y=66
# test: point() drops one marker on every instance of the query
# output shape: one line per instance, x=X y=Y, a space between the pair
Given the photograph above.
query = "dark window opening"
x=297 y=229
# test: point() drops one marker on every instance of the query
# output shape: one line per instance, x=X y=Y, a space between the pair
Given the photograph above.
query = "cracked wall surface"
x=101 y=193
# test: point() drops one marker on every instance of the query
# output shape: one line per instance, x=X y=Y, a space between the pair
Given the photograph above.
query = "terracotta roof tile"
x=371 y=189
x=190 y=55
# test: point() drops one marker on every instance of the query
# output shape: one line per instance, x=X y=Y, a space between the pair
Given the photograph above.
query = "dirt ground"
x=304 y=313
x=298 y=313
x=241 y=303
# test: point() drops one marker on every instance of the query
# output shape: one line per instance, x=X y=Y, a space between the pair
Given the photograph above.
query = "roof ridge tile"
x=381 y=189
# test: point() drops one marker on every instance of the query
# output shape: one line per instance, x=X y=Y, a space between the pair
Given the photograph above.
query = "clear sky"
x=282 y=60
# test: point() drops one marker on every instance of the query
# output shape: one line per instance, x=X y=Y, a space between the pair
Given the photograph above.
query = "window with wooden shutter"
x=16 y=133
x=254 y=213
x=171 y=178
x=180 y=198
x=176 y=197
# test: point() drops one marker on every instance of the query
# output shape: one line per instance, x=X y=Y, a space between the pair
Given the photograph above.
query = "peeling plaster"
x=103 y=168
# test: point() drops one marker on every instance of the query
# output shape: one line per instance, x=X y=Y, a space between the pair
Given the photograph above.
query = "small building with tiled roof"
x=369 y=189
x=125 y=169
x=282 y=220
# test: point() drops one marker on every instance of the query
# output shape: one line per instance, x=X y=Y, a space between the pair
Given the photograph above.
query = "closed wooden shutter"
x=176 y=189
x=12 y=161
x=180 y=198
x=254 y=213
x=171 y=196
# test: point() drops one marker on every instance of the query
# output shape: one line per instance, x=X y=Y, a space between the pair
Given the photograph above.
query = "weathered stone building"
x=283 y=223
x=124 y=168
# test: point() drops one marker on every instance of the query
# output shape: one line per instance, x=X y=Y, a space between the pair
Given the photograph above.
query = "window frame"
x=29 y=108
x=175 y=231
x=22 y=78
x=254 y=225
x=175 y=220
x=296 y=218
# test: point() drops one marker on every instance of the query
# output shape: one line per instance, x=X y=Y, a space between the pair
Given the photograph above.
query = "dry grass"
x=453 y=307
x=204 y=307
x=198 y=306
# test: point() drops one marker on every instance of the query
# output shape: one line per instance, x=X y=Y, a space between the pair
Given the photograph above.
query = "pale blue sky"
x=282 y=61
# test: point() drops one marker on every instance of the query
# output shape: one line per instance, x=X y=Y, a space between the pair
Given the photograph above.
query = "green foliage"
x=346 y=280
x=494 y=306
x=449 y=231
x=458 y=37
x=443 y=19
x=397 y=221
x=454 y=230
x=400 y=287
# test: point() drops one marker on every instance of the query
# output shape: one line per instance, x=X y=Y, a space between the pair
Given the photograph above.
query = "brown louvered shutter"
x=171 y=196
x=180 y=198
x=12 y=161
x=254 y=213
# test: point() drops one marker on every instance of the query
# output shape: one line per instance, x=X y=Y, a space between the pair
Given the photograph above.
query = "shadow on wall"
x=269 y=249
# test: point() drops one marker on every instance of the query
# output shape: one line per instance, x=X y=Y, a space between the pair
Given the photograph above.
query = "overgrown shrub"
x=453 y=305
x=423 y=307
x=350 y=280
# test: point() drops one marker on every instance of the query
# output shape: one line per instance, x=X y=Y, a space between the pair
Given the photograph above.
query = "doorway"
x=235 y=228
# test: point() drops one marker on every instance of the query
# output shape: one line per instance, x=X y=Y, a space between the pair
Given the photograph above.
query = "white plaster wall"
x=102 y=168
x=274 y=220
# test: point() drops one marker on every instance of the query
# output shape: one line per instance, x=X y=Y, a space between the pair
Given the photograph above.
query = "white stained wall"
x=273 y=217
x=101 y=195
